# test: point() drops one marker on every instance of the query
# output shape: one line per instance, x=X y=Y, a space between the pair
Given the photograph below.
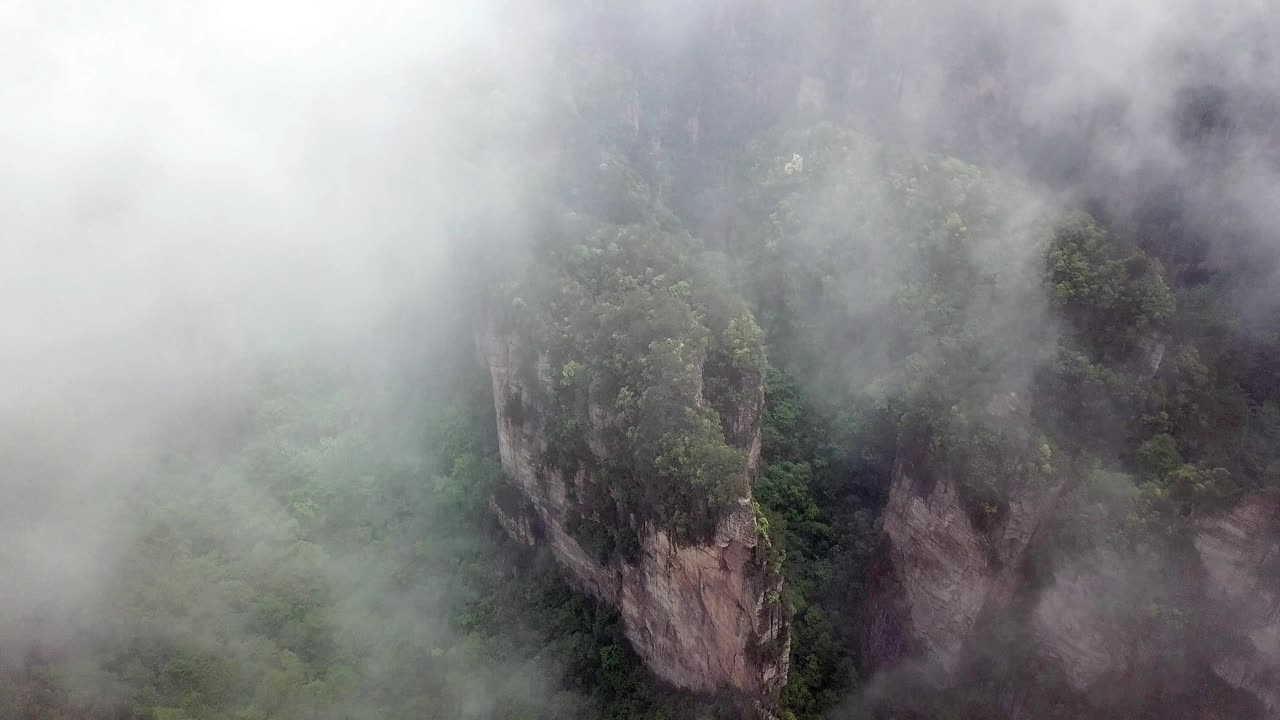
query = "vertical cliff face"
x=1237 y=613
x=1240 y=551
x=941 y=571
x=703 y=616
x=1072 y=627
x=942 y=574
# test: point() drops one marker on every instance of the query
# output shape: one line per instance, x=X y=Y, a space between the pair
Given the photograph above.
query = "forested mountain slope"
x=790 y=360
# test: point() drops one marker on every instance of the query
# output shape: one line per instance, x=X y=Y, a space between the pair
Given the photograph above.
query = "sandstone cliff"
x=941 y=574
x=1072 y=625
x=1240 y=551
x=1237 y=616
x=941 y=571
x=704 y=617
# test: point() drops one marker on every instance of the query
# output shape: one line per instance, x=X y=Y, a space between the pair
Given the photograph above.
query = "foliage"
x=1113 y=300
x=943 y=337
x=337 y=566
x=1011 y=354
x=644 y=337
x=335 y=561
x=819 y=529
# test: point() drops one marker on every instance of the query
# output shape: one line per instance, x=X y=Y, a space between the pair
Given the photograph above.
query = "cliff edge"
x=705 y=616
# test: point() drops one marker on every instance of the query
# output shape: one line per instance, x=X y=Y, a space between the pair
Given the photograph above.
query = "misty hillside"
x=678 y=360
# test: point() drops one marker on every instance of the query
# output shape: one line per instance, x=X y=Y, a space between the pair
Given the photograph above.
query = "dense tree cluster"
x=635 y=327
x=337 y=565
x=1009 y=345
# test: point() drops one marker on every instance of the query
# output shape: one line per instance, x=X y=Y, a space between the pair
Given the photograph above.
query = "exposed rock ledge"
x=1070 y=623
x=699 y=616
x=1240 y=551
x=943 y=572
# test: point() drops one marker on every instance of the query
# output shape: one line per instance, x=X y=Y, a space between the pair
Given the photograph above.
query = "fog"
x=190 y=189
x=190 y=193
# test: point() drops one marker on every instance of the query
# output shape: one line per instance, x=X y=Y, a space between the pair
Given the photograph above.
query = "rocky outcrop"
x=943 y=571
x=1069 y=623
x=705 y=617
x=1079 y=619
x=943 y=574
x=1095 y=620
x=1240 y=551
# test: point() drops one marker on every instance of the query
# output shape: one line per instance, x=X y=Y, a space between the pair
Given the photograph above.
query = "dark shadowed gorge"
x=676 y=360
